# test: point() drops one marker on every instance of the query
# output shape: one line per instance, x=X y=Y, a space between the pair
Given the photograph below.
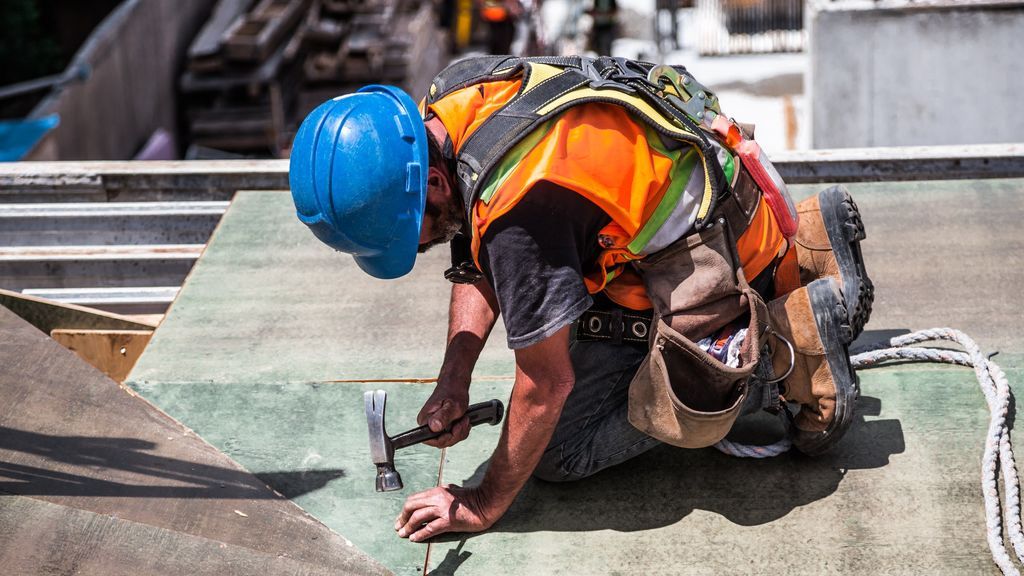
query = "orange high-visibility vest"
x=599 y=151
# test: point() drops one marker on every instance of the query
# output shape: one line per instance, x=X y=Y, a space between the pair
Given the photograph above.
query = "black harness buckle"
x=463 y=270
x=463 y=273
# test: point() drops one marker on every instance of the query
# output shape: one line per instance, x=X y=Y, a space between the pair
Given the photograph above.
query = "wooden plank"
x=254 y=36
x=207 y=42
x=146 y=318
x=73 y=437
x=112 y=352
x=41 y=538
x=49 y=315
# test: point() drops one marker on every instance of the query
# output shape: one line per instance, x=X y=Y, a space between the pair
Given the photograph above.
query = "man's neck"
x=437 y=130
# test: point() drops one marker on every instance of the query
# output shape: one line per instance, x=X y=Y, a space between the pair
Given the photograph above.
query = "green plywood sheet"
x=900 y=495
x=269 y=315
x=268 y=303
x=314 y=427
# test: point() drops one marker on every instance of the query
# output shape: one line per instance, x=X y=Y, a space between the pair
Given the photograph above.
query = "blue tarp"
x=17 y=137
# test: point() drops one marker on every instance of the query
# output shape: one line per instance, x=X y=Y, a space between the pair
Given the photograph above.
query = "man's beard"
x=447 y=219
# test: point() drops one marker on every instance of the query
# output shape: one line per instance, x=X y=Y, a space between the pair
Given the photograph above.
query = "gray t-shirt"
x=535 y=256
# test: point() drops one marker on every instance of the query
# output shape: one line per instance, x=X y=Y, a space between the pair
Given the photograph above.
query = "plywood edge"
x=48 y=315
x=113 y=352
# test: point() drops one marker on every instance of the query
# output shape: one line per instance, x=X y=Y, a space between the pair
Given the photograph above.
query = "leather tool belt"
x=682 y=395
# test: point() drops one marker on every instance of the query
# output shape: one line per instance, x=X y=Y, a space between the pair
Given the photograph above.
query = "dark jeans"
x=594 y=432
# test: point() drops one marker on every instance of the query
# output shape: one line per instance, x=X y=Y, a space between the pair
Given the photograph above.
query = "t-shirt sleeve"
x=535 y=255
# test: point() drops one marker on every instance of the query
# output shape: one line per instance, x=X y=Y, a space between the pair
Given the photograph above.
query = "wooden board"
x=37 y=537
x=254 y=36
x=49 y=315
x=112 y=352
x=72 y=437
x=207 y=43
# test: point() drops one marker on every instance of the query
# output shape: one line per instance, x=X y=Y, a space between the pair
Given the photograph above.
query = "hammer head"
x=381 y=450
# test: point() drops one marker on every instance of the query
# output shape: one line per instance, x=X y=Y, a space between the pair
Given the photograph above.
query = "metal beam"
x=138 y=180
x=24 y=267
x=126 y=300
x=108 y=223
x=219 y=179
x=901 y=164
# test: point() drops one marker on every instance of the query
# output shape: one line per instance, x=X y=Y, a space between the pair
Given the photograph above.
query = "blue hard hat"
x=358 y=175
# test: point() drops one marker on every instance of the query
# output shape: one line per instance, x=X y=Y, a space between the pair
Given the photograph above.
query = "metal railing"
x=122 y=236
x=750 y=26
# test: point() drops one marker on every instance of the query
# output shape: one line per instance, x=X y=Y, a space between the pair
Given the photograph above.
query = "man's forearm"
x=542 y=385
x=471 y=316
x=544 y=378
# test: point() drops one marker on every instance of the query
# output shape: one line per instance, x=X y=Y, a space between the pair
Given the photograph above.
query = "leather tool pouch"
x=681 y=395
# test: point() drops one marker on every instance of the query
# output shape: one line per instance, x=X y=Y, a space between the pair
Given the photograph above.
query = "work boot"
x=807 y=344
x=828 y=245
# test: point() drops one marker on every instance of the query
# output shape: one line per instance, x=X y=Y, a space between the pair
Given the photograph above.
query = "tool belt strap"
x=739 y=205
x=615 y=326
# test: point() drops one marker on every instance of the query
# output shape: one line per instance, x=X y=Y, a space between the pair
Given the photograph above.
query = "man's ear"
x=437 y=184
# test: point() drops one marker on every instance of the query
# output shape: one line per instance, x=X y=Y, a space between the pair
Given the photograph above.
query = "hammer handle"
x=490 y=412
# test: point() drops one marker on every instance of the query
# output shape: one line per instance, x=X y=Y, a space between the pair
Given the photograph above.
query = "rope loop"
x=997 y=458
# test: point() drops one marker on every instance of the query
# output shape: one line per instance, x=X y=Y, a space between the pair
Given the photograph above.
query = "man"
x=616 y=243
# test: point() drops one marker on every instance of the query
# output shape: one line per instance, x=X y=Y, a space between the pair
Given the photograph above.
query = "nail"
x=401 y=533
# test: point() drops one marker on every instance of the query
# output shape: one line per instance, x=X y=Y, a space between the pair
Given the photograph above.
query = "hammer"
x=382 y=446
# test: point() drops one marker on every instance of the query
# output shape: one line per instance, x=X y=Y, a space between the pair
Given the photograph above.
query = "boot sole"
x=845 y=230
x=831 y=317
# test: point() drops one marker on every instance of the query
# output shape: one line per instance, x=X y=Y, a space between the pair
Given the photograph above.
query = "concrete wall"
x=135 y=56
x=928 y=73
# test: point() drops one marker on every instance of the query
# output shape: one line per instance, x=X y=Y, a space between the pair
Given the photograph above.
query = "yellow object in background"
x=463 y=23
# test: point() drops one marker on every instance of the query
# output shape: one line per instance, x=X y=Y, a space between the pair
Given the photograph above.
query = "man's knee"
x=554 y=466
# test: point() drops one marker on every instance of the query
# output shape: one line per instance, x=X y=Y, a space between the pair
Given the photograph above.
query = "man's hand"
x=448 y=508
x=544 y=378
x=470 y=319
x=446 y=410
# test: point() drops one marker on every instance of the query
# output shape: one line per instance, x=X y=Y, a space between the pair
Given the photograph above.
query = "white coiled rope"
x=998 y=454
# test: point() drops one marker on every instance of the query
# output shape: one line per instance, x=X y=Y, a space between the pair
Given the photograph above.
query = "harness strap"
x=739 y=205
x=488 y=69
x=580 y=80
x=550 y=85
x=506 y=127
